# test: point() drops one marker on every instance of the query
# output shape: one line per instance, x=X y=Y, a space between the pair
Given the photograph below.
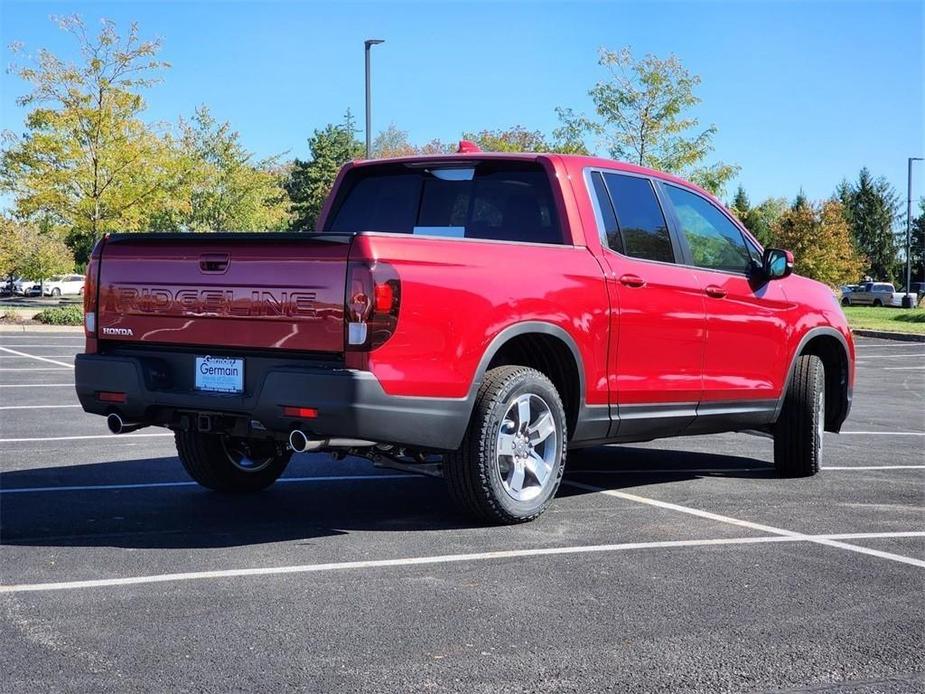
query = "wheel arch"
x=832 y=348
x=547 y=348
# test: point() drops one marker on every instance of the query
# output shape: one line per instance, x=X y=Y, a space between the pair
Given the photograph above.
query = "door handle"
x=213 y=262
x=716 y=292
x=632 y=281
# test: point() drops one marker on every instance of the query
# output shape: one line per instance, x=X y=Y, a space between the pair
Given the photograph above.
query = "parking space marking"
x=903 y=368
x=45 y=359
x=37 y=385
x=438 y=559
x=78 y=438
x=36 y=407
x=881 y=433
x=875 y=467
x=744 y=523
x=162 y=485
x=722 y=470
x=38 y=368
x=31 y=356
x=888 y=356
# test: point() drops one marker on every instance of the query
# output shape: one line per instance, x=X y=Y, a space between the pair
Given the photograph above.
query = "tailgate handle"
x=213 y=262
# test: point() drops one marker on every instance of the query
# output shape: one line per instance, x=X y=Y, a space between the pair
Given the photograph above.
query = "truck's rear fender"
x=463 y=300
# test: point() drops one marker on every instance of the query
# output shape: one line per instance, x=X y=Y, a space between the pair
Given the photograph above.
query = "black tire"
x=877 y=302
x=799 y=430
x=846 y=301
x=210 y=460
x=55 y=291
x=473 y=472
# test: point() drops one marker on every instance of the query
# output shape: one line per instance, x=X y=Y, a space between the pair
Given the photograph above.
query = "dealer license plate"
x=219 y=374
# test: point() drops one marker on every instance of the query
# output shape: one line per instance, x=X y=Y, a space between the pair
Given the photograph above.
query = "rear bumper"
x=350 y=404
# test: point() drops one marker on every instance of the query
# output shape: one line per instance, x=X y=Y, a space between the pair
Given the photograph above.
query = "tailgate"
x=260 y=291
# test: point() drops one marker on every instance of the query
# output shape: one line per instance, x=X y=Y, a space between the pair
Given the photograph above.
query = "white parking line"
x=79 y=438
x=38 y=368
x=875 y=467
x=37 y=385
x=36 y=407
x=162 y=485
x=438 y=559
x=31 y=356
x=45 y=359
x=888 y=356
x=721 y=470
x=32 y=336
x=903 y=368
x=746 y=524
x=882 y=433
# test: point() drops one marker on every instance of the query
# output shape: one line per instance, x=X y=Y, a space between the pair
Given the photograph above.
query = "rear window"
x=503 y=201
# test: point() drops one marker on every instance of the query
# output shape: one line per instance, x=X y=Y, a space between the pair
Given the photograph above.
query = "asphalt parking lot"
x=680 y=565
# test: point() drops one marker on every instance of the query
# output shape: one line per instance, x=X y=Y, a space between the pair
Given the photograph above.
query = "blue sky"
x=803 y=93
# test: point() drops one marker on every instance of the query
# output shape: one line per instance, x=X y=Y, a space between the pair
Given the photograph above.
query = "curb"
x=887 y=335
x=39 y=328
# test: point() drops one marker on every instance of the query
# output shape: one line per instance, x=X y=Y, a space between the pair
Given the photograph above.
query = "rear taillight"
x=91 y=296
x=371 y=305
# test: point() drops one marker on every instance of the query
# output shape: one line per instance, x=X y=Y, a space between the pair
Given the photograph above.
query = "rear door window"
x=642 y=226
x=502 y=201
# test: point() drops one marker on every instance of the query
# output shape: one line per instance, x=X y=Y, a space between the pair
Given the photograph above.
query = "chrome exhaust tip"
x=299 y=442
x=117 y=425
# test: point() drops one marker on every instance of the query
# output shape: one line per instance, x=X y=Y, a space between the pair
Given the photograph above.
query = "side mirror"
x=776 y=263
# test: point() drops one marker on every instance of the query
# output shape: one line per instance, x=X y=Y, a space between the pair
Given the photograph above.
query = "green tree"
x=740 y=205
x=392 y=142
x=14 y=242
x=820 y=240
x=310 y=180
x=871 y=206
x=513 y=139
x=87 y=162
x=918 y=245
x=643 y=114
x=760 y=219
x=223 y=187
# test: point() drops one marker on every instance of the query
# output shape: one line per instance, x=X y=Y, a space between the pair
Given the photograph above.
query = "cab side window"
x=641 y=223
x=715 y=242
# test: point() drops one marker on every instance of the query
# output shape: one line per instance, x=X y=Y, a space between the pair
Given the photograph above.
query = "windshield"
x=504 y=201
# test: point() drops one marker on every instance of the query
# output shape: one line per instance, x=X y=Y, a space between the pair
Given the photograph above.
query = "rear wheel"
x=799 y=430
x=55 y=291
x=877 y=302
x=230 y=464
x=511 y=460
x=846 y=301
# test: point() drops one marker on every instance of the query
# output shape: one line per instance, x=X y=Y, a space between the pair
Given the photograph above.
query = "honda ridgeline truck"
x=476 y=313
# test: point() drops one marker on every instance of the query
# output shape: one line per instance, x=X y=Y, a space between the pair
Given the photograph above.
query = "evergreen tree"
x=871 y=207
x=310 y=181
x=740 y=204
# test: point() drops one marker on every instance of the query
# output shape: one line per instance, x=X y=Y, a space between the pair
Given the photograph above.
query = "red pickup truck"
x=474 y=314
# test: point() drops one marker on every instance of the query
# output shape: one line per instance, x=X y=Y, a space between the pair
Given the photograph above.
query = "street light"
x=368 y=43
x=907 y=300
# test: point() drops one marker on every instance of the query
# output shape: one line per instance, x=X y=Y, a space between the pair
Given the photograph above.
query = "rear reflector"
x=300 y=412
x=110 y=396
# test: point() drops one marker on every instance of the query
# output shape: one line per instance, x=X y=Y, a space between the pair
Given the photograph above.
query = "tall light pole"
x=369 y=43
x=907 y=299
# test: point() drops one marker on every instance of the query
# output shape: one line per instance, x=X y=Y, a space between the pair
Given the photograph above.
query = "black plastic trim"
x=847 y=395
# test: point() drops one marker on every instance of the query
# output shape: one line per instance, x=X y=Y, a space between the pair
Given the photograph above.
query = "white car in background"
x=60 y=285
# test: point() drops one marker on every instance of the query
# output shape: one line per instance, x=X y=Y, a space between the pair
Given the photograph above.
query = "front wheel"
x=846 y=301
x=511 y=460
x=55 y=291
x=230 y=464
x=877 y=302
x=801 y=425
